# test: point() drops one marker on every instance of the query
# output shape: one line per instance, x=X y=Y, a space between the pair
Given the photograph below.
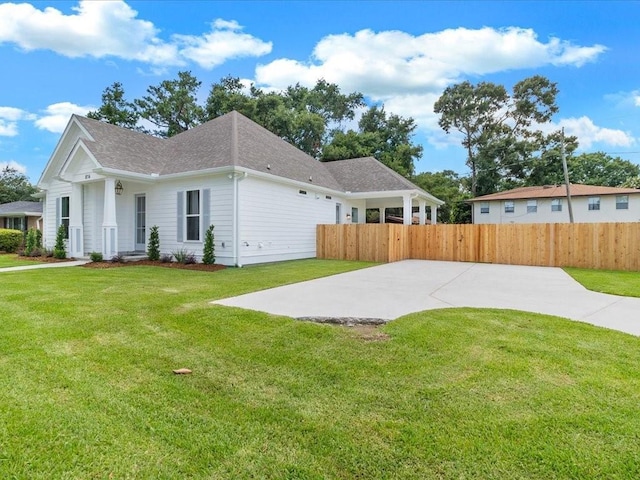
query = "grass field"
x=14 y=260
x=608 y=281
x=87 y=355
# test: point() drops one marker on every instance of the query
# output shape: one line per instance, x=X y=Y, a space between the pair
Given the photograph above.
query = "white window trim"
x=513 y=206
x=595 y=203
x=485 y=206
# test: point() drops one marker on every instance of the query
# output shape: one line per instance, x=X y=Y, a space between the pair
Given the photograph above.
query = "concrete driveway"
x=395 y=289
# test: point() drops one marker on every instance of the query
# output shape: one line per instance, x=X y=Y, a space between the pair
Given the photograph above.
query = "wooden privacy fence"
x=614 y=246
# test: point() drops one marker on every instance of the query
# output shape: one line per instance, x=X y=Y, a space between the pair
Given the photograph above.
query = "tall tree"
x=115 y=109
x=500 y=131
x=388 y=138
x=15 y=186
x=172 y=106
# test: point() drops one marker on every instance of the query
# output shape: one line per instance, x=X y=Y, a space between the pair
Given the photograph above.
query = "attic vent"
x=302 y=192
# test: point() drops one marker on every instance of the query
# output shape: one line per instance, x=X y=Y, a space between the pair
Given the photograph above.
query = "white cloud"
x=588 y=133
x=112 y=29
x=224 y=42
x=9 y=117
x=13 y=164
x=385 y=64
x=57 y=116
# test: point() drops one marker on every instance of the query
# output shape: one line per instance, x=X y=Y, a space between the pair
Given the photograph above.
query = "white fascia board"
x=114 y=172
x=72 y=121
x=79 y=145
x=396 y=193
x=194 y=173
x=288 y=181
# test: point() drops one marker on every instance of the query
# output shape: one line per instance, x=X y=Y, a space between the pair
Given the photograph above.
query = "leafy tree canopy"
x=115 y=109
x=15 y=186
x=449 y=187
x=500 y=130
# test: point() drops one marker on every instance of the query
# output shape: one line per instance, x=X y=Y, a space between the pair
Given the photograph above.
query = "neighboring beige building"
x=548 y=204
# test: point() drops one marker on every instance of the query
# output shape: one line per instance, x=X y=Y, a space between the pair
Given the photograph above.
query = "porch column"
x=109 y=224
x=422 y=211
x=76 y=247
x=434 y=214
x=406 y=210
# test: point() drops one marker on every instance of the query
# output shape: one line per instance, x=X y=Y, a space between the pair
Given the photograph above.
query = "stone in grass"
x=182 y=371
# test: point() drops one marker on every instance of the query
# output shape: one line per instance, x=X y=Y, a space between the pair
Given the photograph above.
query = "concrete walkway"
x=392 y=290
x=38 y=266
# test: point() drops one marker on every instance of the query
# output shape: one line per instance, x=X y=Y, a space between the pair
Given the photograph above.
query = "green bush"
x=95 y=256
x=39 y=239
x=153 y=249
x=209 y=256
x=31 y=243
x=58 y=250
x=184 y=256
x=10 y=240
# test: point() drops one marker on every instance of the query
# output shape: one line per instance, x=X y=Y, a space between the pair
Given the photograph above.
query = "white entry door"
x=141 y=223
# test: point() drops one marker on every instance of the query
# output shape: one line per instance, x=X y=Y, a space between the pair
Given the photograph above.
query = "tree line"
x=504 y=133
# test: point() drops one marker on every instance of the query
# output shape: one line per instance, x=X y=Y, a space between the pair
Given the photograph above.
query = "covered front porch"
x=106 y=216
x=416 y=208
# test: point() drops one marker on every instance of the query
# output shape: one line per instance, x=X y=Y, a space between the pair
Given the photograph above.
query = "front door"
x=141 y=222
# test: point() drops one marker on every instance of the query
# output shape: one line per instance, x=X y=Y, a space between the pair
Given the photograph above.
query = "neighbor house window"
x=484 y=207
x=622 y=202
x=509 y=206
x=594 y=203
x=532 y=206
x=15 y=223
x=193 y=215
x=64 y=215
x=556 y=205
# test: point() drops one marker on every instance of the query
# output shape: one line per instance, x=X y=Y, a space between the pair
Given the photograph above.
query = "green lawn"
x=14 y=260
x=87 y=390
x=608 y=281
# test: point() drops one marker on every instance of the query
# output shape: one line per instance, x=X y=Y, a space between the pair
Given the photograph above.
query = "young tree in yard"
x=115 y=109
x=208 y=254
x=153 y=248
x=172 y=105
x=15 y=186
x=500 y=131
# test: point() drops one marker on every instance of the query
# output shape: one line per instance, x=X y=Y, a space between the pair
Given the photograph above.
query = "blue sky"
x=57 y=58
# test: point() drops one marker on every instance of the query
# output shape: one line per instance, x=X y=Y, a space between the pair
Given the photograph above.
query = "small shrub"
x=36 y=252
x=58 y=250
x=153 y=249
x=10 y=240
x=209 y=256
x=166 y=258
x=30 y=243
x=117 y=258
x=39 y=239
x=184 y=256
x=96 y=256
x=47 y=252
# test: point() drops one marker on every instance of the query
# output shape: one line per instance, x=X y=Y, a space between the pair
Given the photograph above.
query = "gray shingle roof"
x=233 y=140
x=20 y=208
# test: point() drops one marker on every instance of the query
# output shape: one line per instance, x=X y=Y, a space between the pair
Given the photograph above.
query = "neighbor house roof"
x=233 y=140
x=21 y=208
x=553 y=191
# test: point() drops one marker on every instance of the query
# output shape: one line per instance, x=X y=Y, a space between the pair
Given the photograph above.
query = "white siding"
x=161 y=211
x=581 y=212
x=56 y=190
x=278 y=223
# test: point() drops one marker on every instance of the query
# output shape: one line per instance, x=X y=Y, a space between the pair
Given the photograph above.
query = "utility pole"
x=566 y=179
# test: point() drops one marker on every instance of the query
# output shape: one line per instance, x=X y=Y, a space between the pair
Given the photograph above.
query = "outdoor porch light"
x=119 y=188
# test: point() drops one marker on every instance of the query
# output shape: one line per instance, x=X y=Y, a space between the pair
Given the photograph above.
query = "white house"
x=548 y=204
x=264 y=196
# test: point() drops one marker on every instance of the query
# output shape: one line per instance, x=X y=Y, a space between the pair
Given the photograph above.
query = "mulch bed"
x=201 y=267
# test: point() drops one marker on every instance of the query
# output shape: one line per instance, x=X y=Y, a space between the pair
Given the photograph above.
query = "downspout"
x=237 y=255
